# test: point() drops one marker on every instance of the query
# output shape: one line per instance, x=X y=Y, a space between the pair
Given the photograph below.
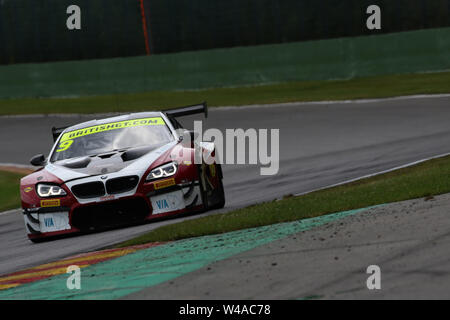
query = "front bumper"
x=146 y=204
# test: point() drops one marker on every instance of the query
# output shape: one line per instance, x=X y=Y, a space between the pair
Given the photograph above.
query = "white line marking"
x=306 y=103
x=21 y=166
x=225 y=108
x=66 y=115
x=9 y=211
x=374 y=174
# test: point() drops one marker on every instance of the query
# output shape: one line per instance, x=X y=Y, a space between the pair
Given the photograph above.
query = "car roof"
x=130 y=116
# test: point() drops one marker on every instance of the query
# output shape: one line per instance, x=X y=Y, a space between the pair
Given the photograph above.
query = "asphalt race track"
x=320 y=145
x=408 y=241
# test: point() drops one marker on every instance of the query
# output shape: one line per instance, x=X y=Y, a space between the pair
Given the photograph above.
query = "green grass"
x=424 y=180
x=9 y=190
x=374 y=87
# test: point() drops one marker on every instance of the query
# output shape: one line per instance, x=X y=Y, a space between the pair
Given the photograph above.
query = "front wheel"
x=221 y=196
x=211 y=186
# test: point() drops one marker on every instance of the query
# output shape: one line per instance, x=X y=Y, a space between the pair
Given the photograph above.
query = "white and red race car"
x=119 y=171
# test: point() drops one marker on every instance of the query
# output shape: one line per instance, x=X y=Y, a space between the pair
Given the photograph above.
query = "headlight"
x=49 y=190
x=166 y=170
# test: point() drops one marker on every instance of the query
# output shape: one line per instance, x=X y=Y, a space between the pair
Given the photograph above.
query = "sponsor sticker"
x=164 y=184
x=51 y=222
x=158 y=121
x=106 y=198
x=67 y=139
x=50 y=203
x=168 y=202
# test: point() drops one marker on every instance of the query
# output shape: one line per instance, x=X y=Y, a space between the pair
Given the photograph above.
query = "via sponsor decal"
x=48 y=222
x=166 y=203
x=162 y=204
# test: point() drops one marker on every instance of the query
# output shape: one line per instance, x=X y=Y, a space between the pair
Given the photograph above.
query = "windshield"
x=112 y=137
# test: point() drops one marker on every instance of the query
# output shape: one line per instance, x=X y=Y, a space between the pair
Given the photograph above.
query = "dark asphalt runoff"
x=320 y=145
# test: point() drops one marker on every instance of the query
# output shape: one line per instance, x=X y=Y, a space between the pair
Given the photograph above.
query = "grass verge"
x=359 y=88
x=424 y=180
x=9 y=190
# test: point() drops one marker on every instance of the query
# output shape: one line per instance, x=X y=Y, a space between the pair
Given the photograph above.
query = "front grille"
x=89 y=190
x=122 y=184
x=110 y=214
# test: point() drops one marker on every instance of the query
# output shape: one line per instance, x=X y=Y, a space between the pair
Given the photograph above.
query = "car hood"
x=135 y=161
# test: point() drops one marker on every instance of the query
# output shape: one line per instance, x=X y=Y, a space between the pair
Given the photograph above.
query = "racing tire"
x=219 y=193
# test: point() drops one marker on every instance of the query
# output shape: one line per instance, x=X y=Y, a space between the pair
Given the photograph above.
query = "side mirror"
x=192 y=133
x=38 y=160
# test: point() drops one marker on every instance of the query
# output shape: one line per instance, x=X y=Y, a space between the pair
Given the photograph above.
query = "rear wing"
x=56 y=132
x=188 y=110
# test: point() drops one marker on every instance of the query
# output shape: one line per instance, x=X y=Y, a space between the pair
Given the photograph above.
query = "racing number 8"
x=63 y=146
